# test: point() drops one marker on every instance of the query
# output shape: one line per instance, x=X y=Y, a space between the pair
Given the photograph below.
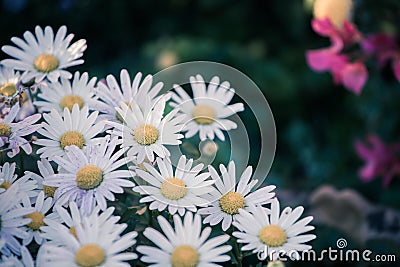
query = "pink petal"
x=350 y=33
x=362 y=150
x=379 y=42
x=368 y=172
x=338 y=63
x=337 y=43
x=319 y=60
x=324 y=27
x=322 y=59
x=354 y=77
x=396 y=69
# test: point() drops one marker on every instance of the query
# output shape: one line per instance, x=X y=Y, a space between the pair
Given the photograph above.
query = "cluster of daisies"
x=94 y=140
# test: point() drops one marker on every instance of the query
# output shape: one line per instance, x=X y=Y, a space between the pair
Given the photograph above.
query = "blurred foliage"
x=317 y=122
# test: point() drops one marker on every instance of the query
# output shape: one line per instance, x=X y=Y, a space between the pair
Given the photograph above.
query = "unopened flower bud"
x=337 y=11
x=275 y=264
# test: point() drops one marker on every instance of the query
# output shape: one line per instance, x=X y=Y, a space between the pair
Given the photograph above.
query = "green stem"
x=150 y=217
x=153 y=214
x=237 y=252
x=138 y=263
x=21 y=157
x=170 y=218
x=2 y=157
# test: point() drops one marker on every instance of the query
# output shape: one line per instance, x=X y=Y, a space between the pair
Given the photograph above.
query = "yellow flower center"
x=90 y=255
x=5 y=130
x=203 y=114
x=336 y=10
x=89 y=177
x=184 y=256
x=173 y=188
x=72 y=138
x=49 y=190
x=8 y=89
x=37 y=220
x=5 y=185
x=272 y=235
x=231 y=202
x=145 y=134
x=45 y=63
x=70 y=100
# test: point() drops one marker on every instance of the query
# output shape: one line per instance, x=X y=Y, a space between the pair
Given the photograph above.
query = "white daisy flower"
x=112 y=93
x=26 y=186
x=74 y=128
x=44 y=56
x=12 y=261
x=12 y=217
x=179 y=191
x=206 y=113
x=94 y=245
x=10 y=88
x=41 y=208
x=259 y=229
x=46 y=170
x=146 y=131
x=91 y=175
x=65 y=94
x=231 y=196
x=187 y=245
x=9 y=80
x=12 y=133
x=74 y=217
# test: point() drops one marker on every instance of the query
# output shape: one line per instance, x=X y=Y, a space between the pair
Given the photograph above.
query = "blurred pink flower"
x=321 y=59
x=380 y=159
x=324 y=27
x=338 y=64
x=352 y=75
x=348 y=34
x=385 y=48
x=382 y=45
x=378 y=42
